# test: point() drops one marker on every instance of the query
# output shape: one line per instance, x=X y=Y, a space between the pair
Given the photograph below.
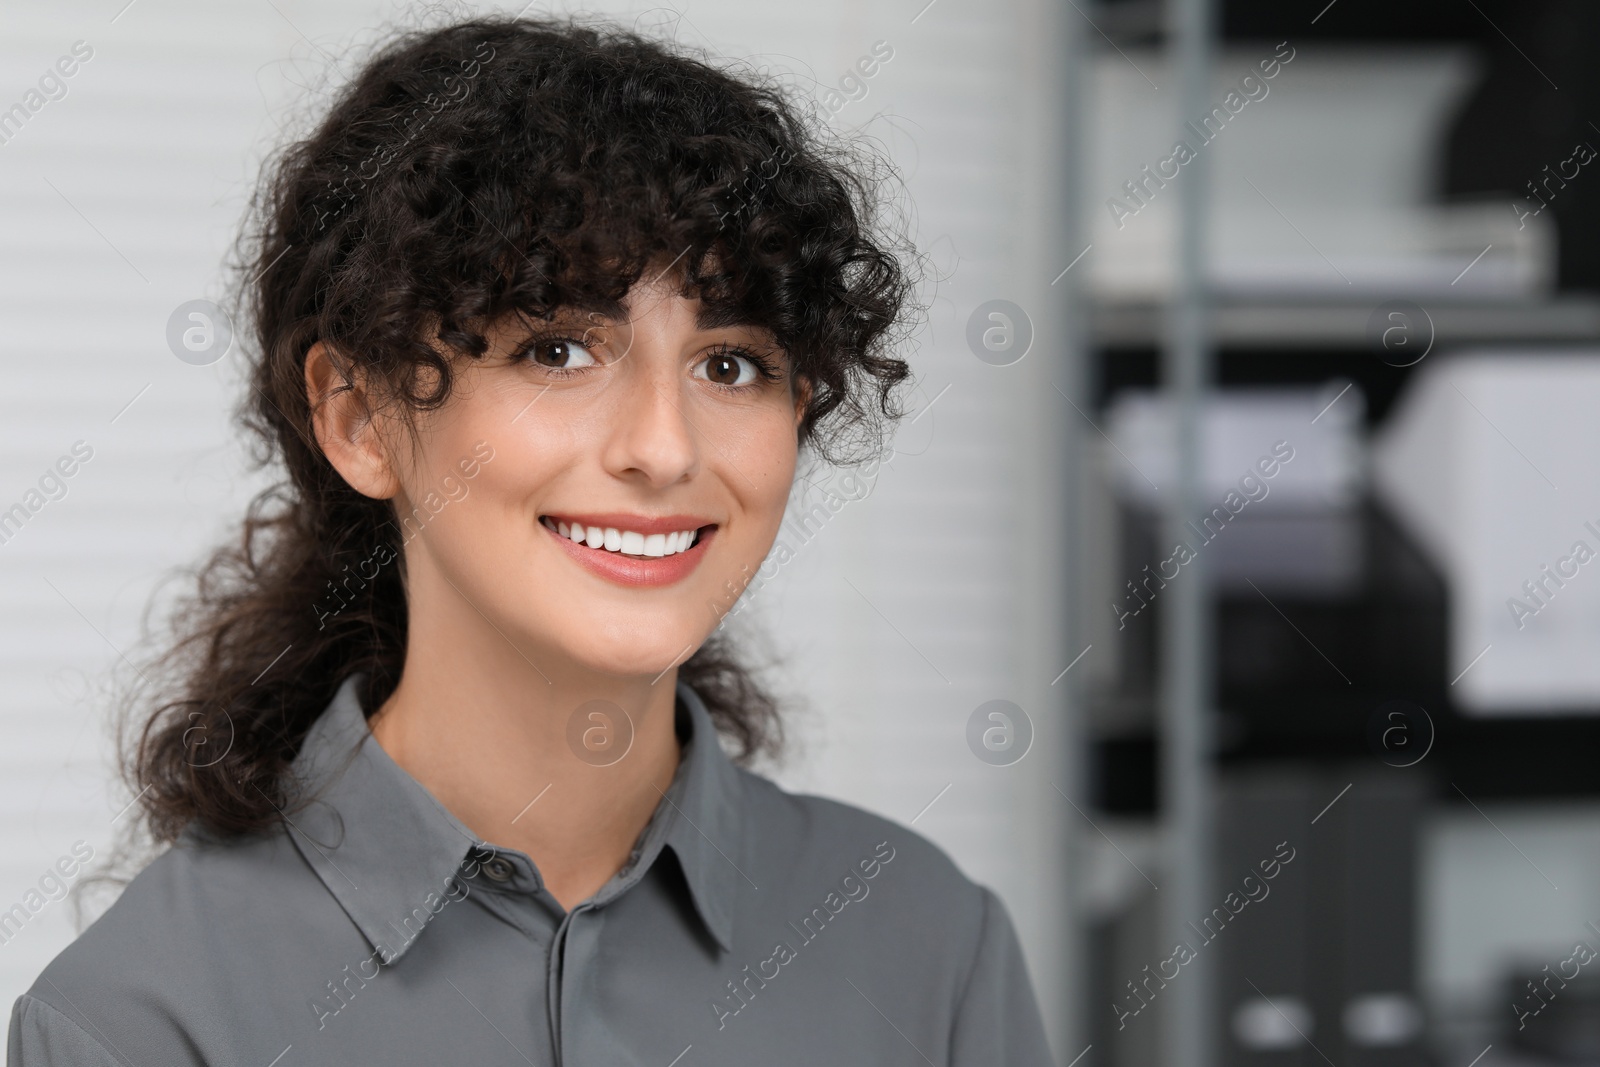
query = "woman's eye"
x=725 y=368
x=560 y=353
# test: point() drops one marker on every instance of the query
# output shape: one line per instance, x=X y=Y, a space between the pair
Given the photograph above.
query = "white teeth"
x=628 y=541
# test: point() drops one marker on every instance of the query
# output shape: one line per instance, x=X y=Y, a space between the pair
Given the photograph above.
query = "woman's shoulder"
x=193 y=915
x=192 y=893
x=875 y=899
x=794 y=833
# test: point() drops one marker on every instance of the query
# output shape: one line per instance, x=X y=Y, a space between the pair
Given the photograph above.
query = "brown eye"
x=725 y=368
x=560 y=353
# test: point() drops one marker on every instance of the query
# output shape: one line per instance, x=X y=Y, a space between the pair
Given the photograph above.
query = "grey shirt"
x=750 y=925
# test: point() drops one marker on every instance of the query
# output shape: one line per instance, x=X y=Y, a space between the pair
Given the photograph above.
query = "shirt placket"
x=555 y=980
x=560 y=973
x=520 y=895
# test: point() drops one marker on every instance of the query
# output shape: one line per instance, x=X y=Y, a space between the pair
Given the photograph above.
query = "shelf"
x=1282 y=324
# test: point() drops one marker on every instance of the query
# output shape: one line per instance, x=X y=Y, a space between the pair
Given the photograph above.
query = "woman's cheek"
x=767 y=436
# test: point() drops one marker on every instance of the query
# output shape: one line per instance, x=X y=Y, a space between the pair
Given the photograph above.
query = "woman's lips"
x=632 y=569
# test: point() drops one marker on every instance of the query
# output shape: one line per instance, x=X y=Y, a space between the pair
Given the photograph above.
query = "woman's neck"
x=492 y=737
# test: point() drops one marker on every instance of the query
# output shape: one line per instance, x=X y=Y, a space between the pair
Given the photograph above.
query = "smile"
x=633 y=550
x=624 y=542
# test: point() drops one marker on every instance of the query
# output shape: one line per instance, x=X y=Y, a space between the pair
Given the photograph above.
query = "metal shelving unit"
x=1239 y=324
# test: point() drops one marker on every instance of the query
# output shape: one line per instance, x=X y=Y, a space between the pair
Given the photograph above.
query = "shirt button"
x=498 y=870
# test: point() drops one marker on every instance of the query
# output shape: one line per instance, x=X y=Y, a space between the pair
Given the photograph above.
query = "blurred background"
x=1230 y=600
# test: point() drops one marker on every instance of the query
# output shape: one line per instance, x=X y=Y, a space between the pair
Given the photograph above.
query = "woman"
x=544 y=314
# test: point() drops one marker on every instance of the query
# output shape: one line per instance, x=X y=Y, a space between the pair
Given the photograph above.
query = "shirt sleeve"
x=998 y=1023
x=41 y=1036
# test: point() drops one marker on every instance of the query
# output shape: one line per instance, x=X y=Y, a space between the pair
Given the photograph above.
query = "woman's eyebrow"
x=706 y=318
x=594 y=305
x=714 y=318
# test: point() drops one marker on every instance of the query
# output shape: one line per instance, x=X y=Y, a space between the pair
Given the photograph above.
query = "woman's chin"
x=625 y=658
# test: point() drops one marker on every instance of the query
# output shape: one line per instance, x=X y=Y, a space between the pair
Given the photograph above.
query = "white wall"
x=117 y=203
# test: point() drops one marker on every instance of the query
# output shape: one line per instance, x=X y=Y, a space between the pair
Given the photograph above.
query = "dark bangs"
x=503 y=166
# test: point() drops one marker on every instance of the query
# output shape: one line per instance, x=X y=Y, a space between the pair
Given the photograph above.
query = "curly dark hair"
x=489 y=168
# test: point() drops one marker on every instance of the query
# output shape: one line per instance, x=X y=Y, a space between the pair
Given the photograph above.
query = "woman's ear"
x=802 y=398
x=343 y=419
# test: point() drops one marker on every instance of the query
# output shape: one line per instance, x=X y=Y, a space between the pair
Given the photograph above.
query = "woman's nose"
x=653 y=437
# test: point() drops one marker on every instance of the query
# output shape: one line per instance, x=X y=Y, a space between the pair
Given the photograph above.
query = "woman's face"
x=640 y=468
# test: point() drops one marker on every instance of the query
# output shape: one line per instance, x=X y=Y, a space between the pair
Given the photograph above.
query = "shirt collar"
x=390 y=853
x=705 y=829
x=382 y=845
